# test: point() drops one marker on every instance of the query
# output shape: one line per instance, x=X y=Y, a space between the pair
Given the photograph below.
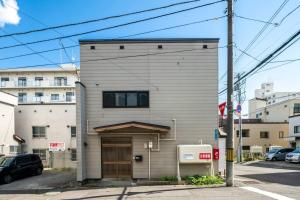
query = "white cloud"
x=9 y=12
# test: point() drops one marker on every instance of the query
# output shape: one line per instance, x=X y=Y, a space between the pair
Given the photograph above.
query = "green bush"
x=204 y=180
x=168 y=178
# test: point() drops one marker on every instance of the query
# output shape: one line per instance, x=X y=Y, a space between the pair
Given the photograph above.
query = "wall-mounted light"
x=85 y=144
x=66 y=110
x=48 y=126
x=68 y=126
x=20 y=111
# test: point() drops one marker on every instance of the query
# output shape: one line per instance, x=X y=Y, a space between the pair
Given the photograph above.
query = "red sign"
x=222 y=107
x=204 y=156
x=57 y=146
x=216 y=153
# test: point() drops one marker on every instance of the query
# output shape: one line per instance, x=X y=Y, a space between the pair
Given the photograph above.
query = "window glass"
x=73 y=155
x=40 y=152
x=108 y=100
x=38 y=131
x=143 y=99
x=73 y=131
x=120 y=99
x=132 y=99
x=54 y=97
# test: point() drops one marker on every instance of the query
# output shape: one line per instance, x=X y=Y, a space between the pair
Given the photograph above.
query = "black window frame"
x=263 y=136
x=296 y=108
x=73 y=155
x=73 y=134
x=245 y=133
x=39 y=134
x=139 y=92
x=297 y=129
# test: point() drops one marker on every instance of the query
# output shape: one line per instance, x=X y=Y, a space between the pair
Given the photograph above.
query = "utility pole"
x=239 y=95
x=229 y=139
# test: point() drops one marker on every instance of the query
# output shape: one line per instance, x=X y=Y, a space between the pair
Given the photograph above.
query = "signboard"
x=216 y=134
x=204 y=156
x=56 y=146
x=238 y=109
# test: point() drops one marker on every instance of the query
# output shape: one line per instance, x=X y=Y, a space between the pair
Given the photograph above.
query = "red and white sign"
x=216 y=153
x=204 y=156
x=222 y=107
x=57 y=146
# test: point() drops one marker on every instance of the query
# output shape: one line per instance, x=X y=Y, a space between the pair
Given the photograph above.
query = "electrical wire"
x=127 y=36
x=102 y=19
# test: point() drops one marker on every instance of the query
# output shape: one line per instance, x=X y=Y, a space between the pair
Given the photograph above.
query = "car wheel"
x=7 y=179
x=38 y=171
x=274 y=159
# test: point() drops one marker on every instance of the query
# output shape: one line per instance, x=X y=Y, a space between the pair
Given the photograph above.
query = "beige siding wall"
x=58 y=117
x=254 y=132
x=181 y=85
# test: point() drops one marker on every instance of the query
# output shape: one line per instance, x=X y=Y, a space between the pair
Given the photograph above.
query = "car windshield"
x=5 y=161
x=273 y=150
x=297 y=150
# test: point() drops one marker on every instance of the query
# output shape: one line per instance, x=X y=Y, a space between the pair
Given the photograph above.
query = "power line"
x=119 y=57
x=116 y=26
x=256 y=20
x=127 y=36
x=102 y=19
x=269 y=58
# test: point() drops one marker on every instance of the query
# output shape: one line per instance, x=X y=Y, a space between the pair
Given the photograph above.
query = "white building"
x=9 y=141
x=46 y=111
x=273 y=106
x=294 y=130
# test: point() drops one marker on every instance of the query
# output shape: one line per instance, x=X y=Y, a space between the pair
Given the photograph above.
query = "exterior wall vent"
x=204 y=46
x=160 y=46
x=122 y=47
x=92 y=47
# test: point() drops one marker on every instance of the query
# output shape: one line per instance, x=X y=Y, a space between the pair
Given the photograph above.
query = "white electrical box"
x=199 y=153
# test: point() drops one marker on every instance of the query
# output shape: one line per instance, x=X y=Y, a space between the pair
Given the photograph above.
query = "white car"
x=293 y=156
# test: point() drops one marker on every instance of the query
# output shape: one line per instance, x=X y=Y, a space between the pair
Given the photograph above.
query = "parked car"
x=14 y=167
x=293 y=156
x=278 y=154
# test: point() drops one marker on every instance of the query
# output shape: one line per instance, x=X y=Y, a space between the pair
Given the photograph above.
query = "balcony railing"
x=45 y=99
x=29 y=83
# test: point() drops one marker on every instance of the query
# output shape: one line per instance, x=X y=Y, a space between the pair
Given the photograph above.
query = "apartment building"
x=138 y=99
x=273 y=106
x=46 y=112
x=294 y=130
x=9 y=141
x=256 y=132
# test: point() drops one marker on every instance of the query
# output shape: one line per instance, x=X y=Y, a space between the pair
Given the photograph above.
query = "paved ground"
x=254 y=181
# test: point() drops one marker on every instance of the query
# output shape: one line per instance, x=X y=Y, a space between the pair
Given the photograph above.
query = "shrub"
x=204 y=180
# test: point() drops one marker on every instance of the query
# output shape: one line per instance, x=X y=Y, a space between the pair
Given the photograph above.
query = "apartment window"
x=296 y=108
x=246 y=148
x=54 y=97
x=38 y=81
x=296 y=129
x=38 y=96
x=22 y=97
x=22 y=81
x=73 y=131
x=73 y=155
x=14 y=149
x=38 y=131
x=245 y=133
x=69 y=96
x=126 y=99
x=40 y=152
x=4 y=81
x=60 y=81
x=257 y=116
x=281 y=134
x=264 y=134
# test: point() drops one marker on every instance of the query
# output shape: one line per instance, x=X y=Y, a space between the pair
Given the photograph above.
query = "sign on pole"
x=56 y=146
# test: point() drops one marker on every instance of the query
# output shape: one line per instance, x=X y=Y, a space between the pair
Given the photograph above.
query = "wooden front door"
x=116 y=157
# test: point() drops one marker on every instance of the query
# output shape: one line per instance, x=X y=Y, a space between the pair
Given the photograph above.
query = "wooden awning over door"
x=133 y=127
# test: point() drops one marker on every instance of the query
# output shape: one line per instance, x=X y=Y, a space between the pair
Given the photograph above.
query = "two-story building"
x=140 y=98
x=46 y=111
x=294 y=130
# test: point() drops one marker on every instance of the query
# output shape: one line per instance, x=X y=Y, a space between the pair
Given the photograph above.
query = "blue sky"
x=40 y=14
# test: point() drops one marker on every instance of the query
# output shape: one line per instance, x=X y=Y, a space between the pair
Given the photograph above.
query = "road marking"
x=269 y=194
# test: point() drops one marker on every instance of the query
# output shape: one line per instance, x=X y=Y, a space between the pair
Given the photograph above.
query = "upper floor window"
x=69 y=96
x=73 y=131
x=281 y=134
x=38 y=81
x=38 y=131
x=60 y=81
x=264 y=134
x=245 y=133
x=22 y=97
x=54 y=97
x=73 y=155
x=4 y=81
x=297 y=129
x=126 y=99
x=22 y=81
x=296 y=108
x=38 y=96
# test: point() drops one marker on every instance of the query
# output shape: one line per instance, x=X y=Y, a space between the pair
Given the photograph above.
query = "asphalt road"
x=276 y=177
x=255 y=181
